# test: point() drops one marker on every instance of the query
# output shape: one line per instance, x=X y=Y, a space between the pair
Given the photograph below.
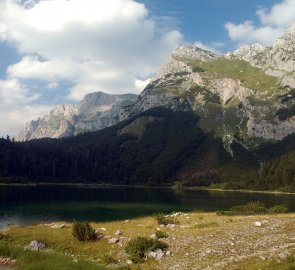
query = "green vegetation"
x=165 y=220
x=82 y=231
x=251 y=77
x=29 y=260
x=138 y=248
x=254 y=208
x=137 y=127
x=158 y=147
x=161 y=234
x=199 y=232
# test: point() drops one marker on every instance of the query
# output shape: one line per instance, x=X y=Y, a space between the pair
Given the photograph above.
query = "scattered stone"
x=35 y=246
x=58 y=226
x=168 y=252
x=123 y=240
x=75 y=260
x=126 y=221
x=7 y=261
x=153 y=236
x=157 y=255
x=170 y=226
x=114 y=240
x=107 y=237
x=118 y=232
x=129 y=262
x=257 y=223
x=102 y=229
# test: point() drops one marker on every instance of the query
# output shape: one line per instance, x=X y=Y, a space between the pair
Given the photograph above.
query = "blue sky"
x=57 y=51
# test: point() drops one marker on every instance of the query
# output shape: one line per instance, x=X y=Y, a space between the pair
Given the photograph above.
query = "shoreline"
x=95 y=185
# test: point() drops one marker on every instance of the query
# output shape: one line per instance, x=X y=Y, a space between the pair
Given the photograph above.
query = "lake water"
x=36 y=204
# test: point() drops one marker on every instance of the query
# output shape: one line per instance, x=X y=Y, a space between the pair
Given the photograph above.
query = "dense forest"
x=157 y=147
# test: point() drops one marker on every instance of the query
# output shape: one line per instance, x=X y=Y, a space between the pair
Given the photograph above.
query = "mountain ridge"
x=96 y=111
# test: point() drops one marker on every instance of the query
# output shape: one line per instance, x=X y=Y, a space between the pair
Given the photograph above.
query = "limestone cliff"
x=96 y=111
x=247 y=96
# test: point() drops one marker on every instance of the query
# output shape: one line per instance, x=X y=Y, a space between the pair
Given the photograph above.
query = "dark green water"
x=29 y=205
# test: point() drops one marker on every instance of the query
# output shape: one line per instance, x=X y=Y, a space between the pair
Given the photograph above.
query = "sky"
x=56 y=51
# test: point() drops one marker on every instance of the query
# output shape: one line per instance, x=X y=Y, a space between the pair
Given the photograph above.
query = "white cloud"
x=16 y=106
x=281 y=15
x=11 y=120
x=211 y=48
x=13 y=93
x=141 y=84
x=98 y=45
x=273 y=23
x=52 y=85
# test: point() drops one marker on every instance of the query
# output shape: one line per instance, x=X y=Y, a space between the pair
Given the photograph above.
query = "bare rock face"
x=96 y=111
x=246 y=96
x=277 y=60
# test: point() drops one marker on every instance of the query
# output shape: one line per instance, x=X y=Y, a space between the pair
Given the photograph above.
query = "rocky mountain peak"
x=193 y=53
x=96 y=111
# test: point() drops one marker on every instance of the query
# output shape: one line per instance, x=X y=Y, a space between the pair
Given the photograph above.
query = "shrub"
x=137 y=248
x=82 y=231
x=278 y=209
x=107 y=259
x=165 y=220
x=250 y=208
x=160 y=234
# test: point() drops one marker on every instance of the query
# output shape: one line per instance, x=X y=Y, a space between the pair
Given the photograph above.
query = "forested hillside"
x=157 y=147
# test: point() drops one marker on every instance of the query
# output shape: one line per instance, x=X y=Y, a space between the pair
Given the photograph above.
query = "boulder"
x=257 y=223
x=35 y=246
x=114 y=240
x=157 y=254
x=170 y=226
x=154 y=236
x=118 y=232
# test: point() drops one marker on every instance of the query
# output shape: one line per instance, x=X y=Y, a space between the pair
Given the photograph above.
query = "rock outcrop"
x=96 y=111
x=242 y=97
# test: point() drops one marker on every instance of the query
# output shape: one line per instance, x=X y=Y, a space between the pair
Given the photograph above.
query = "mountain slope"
x=96 y=111
x=245 y=97
x=158 y=147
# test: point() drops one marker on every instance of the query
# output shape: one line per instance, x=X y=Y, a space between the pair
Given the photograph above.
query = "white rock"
x=35 y=246
x=118 y=232
x=157 y=255
x=257 y=223
x=113 y=240
x=170 y=226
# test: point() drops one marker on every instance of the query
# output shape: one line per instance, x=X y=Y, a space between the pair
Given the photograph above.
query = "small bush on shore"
x=138 y=248
x=165 y=220
x=82 y=231
x=254 y=208
x=161 y=234
x=278 y=209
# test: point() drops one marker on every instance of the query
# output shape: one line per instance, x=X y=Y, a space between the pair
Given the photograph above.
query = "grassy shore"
x=199 y=241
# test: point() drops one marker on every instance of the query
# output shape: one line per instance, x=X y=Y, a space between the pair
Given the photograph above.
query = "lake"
x=24 y=205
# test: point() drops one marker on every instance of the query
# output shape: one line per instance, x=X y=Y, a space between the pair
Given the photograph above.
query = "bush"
x=162 y=219
x=160 y=234
x=254 y=208
x=107 y=259
x=82 y=231
x=137 y=248
x=278 y=209
x=250 y=208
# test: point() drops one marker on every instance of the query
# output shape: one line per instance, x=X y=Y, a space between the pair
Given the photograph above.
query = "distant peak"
x=194 y=52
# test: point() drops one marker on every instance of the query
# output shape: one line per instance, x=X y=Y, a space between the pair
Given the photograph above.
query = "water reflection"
x=35 y=204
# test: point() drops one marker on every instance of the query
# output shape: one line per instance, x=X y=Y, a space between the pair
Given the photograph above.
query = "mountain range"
x=204 y=119
x=96 y=111
x=246 y=96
